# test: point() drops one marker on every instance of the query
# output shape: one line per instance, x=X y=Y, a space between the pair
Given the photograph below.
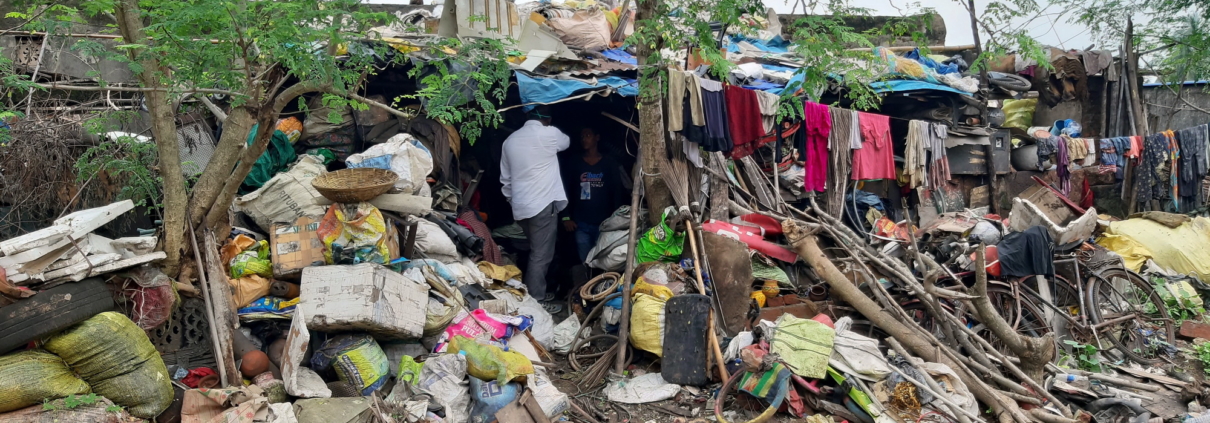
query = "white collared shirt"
x=529 y=169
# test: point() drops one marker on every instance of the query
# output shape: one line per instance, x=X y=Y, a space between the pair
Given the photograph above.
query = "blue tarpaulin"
x=772 y=45
x=907 y=85
x=548 y=90
x=621 y=56
x=942 y=69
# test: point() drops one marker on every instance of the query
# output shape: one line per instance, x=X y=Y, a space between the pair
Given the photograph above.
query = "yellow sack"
x=358 y=229
x=1133 y=253
x=247 y=289
x=659 y=291
x=647 y=324
x=489 y=362
x=115 y=357
x=1184 y=249
x=28 y=377
x=499 y=273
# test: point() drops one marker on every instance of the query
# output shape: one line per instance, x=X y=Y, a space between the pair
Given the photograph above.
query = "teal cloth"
x=277 y=158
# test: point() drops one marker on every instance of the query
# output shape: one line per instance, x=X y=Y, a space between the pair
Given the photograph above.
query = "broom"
x=676 y=175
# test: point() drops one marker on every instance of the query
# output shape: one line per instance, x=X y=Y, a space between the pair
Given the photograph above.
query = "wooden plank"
x=1158 y=378
x=222 y=307
x=39 y=238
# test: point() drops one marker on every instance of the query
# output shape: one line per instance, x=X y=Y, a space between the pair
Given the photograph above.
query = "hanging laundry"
x=1113 y=151
x=1063 y=170
x=913 y=154
x=714 y=106
x=679 y=84
x=939 y=164
x=840 y=159
x=854 y=130
x=1076 y=148
x=1193 y=164
x=768 y=109
x=1090 y=145
x=1046 y=147
x=817 y=120
x=874 y=160
x=1149 y=178
x=743 y=118
x=1136 y=148
x=1174 y=160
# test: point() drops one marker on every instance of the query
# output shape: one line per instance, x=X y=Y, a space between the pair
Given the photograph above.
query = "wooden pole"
x=701 y=289
x=619 y=364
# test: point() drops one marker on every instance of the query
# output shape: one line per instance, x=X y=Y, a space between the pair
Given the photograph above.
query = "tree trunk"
x=265 y=116
x=803 y=241
x=226 y=155
x=1034 y=353
x=651 y=114
x=163 y=128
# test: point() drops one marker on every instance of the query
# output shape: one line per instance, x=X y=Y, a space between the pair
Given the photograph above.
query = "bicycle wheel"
x=1132 y=315
x=1025 y=317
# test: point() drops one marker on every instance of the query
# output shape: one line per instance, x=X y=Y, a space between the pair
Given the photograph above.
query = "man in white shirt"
x=529 y=171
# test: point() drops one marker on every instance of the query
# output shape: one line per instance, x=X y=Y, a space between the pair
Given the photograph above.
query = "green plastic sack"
x=253 y=261
x=277 y=158
x=115 y=357
x=28 y=377
x=489 y=362
x=661 y=243
x=357 y=359
x=1019 y=113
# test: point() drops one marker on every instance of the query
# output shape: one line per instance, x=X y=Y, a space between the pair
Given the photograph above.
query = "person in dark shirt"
x=594 y=190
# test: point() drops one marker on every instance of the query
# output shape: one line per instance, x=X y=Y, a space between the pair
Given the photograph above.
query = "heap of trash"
x=362 y=295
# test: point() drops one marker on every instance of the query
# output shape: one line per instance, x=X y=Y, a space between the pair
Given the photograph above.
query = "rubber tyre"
x=51 y=311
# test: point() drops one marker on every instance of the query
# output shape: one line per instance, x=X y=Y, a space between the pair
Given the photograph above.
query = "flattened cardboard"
x=295 y=247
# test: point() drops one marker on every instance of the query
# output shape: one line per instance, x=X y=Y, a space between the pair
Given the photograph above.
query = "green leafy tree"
x=262 y=56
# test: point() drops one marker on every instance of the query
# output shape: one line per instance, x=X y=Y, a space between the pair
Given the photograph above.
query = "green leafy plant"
x=123 y=157
x=1180 y=307
x=1085 y=356
x=1202 y=352
x=71 y=402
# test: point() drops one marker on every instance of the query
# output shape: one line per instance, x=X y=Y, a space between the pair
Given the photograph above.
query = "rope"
x=586 y=291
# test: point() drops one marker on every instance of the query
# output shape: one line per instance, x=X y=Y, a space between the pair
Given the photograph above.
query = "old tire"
x=51 y=311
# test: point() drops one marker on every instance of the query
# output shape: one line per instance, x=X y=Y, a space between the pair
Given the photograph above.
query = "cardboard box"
x=363 y=298
x=295 y=247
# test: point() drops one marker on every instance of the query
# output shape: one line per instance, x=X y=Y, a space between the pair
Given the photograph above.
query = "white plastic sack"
x=287 y=196
x=587 y=29
x=433 y=242
x=468 y=273
x=741 y=340
x=552 y=401
x=856 y=354
x=444 y=377
x=954 y=388
x=647 y=388
x=543 y=329
x=408 y=159
x=282 y=413
x=300 y=381
x=565 y=334
x=610 y=252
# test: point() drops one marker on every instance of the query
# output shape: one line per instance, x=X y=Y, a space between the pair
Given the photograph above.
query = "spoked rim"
x=1127 y=310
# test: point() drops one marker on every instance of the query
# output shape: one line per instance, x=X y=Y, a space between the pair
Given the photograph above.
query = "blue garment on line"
x=762 y=85
x=547 y=90
x=621 y=56
x=901 y=85
x=942 y=69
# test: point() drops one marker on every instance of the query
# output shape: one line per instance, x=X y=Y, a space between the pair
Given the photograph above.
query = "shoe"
x=550 y=296
x=552 y=307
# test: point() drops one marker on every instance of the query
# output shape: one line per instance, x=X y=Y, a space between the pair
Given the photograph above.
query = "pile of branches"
x=997 y=380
